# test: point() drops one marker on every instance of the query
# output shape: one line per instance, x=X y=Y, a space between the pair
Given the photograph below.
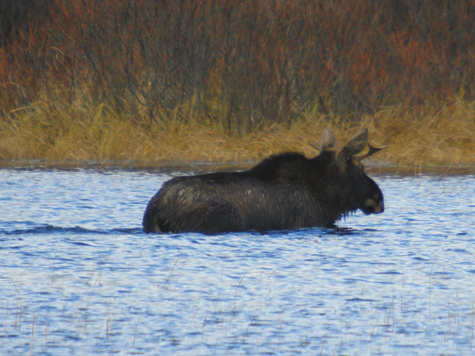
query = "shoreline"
x=417 y=141
x=375 y=168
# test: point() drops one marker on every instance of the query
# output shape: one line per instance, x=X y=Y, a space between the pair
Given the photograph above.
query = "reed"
x=91 y=313
x=424 y=135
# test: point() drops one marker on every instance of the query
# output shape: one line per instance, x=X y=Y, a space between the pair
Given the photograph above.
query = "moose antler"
x=372 y=150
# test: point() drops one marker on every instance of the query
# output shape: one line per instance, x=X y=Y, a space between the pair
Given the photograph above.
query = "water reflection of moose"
x=286 y=191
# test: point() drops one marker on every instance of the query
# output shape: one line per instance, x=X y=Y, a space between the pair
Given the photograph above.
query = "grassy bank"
x=150 y=82
x=427 y=135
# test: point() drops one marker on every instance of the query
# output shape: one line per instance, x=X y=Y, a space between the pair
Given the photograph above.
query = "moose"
x=284 y=192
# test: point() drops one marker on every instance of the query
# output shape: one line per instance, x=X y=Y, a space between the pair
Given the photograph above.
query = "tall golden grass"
x=427 y=135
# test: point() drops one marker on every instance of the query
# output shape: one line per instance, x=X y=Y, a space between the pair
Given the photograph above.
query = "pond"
x=78 y=275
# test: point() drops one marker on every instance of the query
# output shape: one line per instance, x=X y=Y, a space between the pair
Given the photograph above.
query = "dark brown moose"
x=283 y=192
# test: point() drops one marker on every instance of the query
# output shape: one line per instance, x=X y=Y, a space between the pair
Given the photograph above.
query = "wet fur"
x=286 y=191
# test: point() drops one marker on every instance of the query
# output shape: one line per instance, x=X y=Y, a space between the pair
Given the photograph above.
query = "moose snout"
x=373 y=207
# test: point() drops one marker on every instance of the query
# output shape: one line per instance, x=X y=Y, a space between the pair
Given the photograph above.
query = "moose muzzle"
x=373 y=207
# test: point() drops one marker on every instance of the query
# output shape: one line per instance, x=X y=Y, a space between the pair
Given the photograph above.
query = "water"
x=78 y=276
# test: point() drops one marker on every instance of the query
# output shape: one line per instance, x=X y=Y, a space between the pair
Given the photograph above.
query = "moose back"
x=283 y=192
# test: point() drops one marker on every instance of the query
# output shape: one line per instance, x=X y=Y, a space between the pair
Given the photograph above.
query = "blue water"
x=78 y=276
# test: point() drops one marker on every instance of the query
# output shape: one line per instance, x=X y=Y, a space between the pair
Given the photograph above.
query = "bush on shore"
x=141 y=80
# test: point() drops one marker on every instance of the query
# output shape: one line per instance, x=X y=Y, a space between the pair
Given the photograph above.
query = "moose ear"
x=354 y=146
x=328 y=139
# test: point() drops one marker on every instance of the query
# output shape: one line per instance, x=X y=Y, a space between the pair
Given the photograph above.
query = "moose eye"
x=359 y=165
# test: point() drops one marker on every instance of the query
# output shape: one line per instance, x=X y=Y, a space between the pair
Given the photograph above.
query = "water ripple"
x=78 y=276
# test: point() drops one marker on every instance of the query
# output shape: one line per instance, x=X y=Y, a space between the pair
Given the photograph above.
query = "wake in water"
x=28 y=228
x=51 y=229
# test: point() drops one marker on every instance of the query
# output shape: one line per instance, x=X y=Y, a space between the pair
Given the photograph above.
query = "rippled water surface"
x=78 y=276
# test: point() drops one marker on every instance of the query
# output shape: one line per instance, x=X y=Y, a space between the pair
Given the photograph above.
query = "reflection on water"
x=78 y=276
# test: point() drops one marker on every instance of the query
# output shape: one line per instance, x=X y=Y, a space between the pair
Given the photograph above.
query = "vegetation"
x=152 y=81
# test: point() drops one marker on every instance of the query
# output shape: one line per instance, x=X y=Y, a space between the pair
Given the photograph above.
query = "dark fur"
x=287 y=191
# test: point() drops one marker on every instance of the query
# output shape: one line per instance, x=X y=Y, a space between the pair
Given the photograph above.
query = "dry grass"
x=233 y=81
x=415 y=136
x=427 y=135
